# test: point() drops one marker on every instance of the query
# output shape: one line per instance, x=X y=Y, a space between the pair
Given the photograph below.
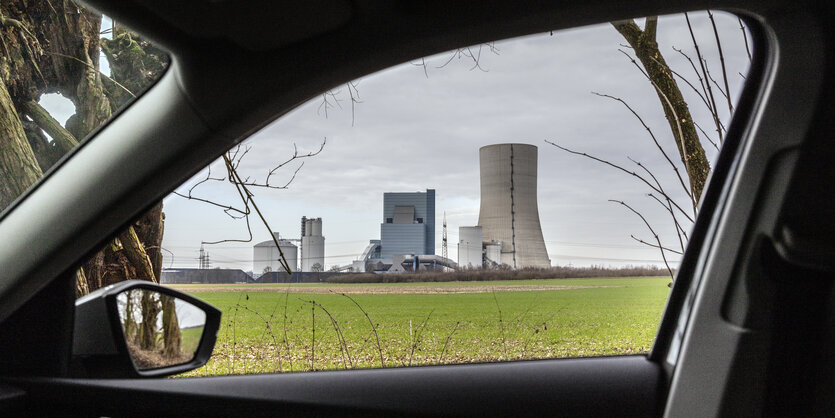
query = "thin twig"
x=416 y=339
x=501 y=323
x=680 y=139
x=373 y=328
x=655 y=246
x=721 y=61
x=632 y=173
x=343 y=344
x=658 y=240
x=702 y=64
x=94 y=69
x=655 y=140
x=744 y=38
x=446 y=343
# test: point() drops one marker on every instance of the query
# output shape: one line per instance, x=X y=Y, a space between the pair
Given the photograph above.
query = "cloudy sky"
x=415 y=130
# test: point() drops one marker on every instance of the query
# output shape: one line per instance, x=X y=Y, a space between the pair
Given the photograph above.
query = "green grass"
x=272 y=331
x=190 y=339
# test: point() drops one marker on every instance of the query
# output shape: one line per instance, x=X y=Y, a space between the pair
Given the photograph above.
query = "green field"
x=280 y=327
x=190 y=339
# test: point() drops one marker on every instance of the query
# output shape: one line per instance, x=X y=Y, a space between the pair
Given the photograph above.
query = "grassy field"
x=280 y=327
x=190 y=339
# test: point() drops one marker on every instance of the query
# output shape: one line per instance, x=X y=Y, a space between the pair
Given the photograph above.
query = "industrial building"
x=265 y=255
x=474 y=252
x=312 y=245
x=470 y=252
x=509 y=214
x=407 y=236
x=408 y=224
x=203 y=275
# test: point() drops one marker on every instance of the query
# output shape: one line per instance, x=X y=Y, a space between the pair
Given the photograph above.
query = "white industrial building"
x=509 y=214
x=470 y=247
x=265 y=255
x=312 y=245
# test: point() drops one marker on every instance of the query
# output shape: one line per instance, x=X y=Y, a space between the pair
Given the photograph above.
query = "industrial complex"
x=508 y=232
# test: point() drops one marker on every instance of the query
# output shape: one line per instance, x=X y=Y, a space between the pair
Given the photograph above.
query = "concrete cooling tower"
x=509 y=211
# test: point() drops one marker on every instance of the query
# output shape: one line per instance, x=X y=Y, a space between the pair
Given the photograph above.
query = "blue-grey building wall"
x=402 y=239
x=392 y=243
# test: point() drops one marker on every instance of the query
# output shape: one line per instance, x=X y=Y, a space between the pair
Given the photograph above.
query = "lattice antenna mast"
x=443 y=240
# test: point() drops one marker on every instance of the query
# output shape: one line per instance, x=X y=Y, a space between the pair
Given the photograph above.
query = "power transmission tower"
x=201 y=264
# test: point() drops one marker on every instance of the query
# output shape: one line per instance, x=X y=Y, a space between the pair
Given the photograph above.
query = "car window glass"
x=528 y=198
x=66 y=71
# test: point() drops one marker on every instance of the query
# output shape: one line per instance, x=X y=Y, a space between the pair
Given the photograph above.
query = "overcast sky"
x=412 y=132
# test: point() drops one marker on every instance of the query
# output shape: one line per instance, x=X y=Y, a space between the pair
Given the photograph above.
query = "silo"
x=509 y=212
x=265 y=256
x=313 y=243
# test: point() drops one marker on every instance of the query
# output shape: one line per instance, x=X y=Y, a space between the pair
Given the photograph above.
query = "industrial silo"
x=266 y=255
x=313 y=245
x=509 y=212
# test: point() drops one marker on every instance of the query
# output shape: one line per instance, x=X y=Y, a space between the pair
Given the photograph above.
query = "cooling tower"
x=509 y=211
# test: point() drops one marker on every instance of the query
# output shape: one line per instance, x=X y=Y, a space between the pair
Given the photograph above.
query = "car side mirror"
x=140 y=329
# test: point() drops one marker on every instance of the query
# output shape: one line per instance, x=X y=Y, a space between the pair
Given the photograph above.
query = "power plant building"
x=509 y=214
x=470 y=247
x=408 y=224
x=265 y=255
x=312 y=245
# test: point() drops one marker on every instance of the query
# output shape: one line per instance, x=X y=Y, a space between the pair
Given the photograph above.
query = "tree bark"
x=150 y=309
x=19 y=168
x=64 y=140
x=172 y=336
x=675 y=108
x=135 y=253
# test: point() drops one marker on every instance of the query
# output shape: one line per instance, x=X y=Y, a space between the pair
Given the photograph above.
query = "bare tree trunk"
x=135 y=252
x=150 y=310
x=675 y=108
x=53 y=46
x=19 y=168
x=172 y=336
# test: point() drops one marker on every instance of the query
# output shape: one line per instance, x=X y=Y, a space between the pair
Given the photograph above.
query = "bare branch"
x=669 y=208
x=658 y=240
x=373 y=329
x=631 y=173
x=706 y=135
x=722 y=62
x=744 y=38
x=422 y=64
x=94 y=69
x=65 y=140
x=654 y=139
x=680 y=138
x=354 y=93
x=326 y=104
x=702 y=64
x=655 y=246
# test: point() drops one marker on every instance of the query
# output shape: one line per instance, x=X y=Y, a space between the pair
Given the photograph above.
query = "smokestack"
x=509 y=212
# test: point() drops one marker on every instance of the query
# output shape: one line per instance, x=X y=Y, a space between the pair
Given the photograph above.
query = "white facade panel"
x=469 y=247
x=493 y=252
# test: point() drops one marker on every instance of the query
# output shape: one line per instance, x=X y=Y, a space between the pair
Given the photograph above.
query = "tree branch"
x=631 y=173
x=62 y=137
x=663 y=256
